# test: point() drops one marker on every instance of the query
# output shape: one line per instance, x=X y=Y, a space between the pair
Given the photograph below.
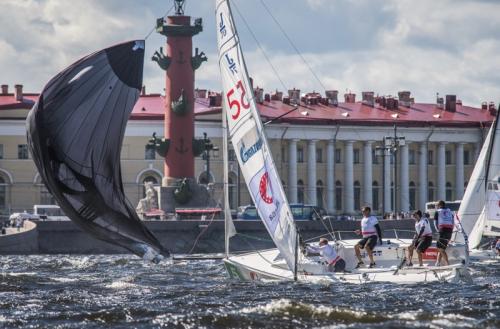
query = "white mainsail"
x=481 y=196
x=249 y=140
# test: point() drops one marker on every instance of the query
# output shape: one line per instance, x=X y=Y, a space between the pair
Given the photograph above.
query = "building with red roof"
x=328 y=152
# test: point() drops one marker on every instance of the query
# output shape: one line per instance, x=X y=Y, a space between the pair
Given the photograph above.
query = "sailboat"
x=75 y=133
x=479 y=211
x=286 y=262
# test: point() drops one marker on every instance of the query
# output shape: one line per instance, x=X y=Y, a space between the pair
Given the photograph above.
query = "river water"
x=67 y=291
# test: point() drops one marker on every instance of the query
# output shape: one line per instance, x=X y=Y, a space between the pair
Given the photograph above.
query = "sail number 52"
x=234 y=104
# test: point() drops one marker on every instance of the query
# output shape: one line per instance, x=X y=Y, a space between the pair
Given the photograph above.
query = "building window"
x=319 y=155
x=338 y=195
x=430 y=192
x=357 y=195
x=430 y=157
x=375 y=157
x=149 y=152
x=300 y=191
x=319 y=193
x=22 y=151
x=413 y=196
x=355 y=156
x=449 y=191
x=466 y=157
x=338 y=156
x=3 y=193
x=412 y=159
x=1 y=151
x=375 y=196
x=300 y=154
x=231 y=155
x=447 y=155
x=45 y=196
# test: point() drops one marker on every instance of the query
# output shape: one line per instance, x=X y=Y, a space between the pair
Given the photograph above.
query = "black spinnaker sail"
x=75 y=133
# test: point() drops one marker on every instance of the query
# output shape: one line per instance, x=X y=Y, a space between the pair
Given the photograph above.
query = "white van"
x=430 y=207
x=49 y=212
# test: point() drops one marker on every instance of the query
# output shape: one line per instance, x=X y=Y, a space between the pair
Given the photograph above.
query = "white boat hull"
x=266 y=265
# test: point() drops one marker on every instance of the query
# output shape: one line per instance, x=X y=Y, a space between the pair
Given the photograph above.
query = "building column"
x=311 y=172
x=404 y=179
x=330 y=176
x=292 y=170
x=368 y=174
x=459 y=171
x=422 y=176
x=441 y=171
x=349 y=178
x=387 y=181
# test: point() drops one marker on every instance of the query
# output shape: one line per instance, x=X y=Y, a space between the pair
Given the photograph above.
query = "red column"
x=179 y=161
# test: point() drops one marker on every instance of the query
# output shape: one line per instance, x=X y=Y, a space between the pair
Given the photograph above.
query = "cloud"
x=447 y=46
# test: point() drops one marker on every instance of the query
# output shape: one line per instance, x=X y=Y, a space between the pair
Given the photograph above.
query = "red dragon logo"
x=264 y=181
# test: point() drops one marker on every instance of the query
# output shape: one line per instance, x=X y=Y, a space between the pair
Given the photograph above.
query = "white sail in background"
x=481 y=198
x=248 y=138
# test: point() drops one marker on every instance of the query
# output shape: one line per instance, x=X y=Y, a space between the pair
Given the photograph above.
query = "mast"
x=229 y=229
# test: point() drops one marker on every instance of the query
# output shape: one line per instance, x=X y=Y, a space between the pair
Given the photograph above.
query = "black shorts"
x=339 y=266
x=423 y=243
x=444 y=237
x=370 y=241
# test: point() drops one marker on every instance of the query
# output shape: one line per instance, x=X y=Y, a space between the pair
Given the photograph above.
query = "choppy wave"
x=126 y=292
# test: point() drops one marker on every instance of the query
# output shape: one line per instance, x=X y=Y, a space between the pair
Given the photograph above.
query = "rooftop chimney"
x=277 y=96
x=259 y=95
x=404 y=98
x=267 y=97
x=451 y=103
x=18 y=92
x=200 y=93
x=368 y=98
x=492 y=109
x=143 y=90
x=332 y=96
x=439 y=102
x=5 y=89
x=350 y=98
x=294 y=95
x=484 y=105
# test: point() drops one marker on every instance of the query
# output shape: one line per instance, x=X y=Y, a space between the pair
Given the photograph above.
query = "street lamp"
x=208 y=146
x=390 y=147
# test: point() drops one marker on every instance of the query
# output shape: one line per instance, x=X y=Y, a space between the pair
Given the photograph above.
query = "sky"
x=425 y=46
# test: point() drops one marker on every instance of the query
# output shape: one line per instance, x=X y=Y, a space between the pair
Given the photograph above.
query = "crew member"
x=369 y=230
x=422 y=239
x=327 y=252
x=444 y=223
x=497 y=246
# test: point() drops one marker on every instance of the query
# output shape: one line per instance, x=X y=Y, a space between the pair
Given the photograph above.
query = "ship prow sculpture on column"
x=179 y=147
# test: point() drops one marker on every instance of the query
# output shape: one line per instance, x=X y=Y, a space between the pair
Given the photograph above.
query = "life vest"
x=368 y=226
x=445 y=218
x=423 y=222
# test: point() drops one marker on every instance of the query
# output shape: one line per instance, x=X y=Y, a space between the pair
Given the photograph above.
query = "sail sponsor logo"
x=255 y=143
x=231 y=64
x=263 y=190
x=222 y=26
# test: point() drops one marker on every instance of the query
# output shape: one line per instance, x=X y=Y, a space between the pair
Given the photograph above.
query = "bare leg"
x=410 y=253
x=370 y=253
x=358 y=252
x=420 y=259
x=439 y=256
x=445 y=257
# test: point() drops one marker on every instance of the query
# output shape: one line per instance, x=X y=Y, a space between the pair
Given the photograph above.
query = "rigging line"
x=154 y=27
x=260 y=47
x=292 y=44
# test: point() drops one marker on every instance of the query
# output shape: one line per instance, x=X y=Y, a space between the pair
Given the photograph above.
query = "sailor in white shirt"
x=334 y=262
x=422 y=239
x=370 y=229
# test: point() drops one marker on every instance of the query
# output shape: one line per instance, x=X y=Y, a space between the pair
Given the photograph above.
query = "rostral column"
x=179 y=64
